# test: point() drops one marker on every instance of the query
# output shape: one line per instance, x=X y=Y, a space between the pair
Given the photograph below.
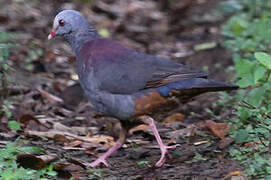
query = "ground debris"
x=54 y=114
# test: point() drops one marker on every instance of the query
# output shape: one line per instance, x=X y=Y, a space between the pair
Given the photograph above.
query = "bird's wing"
x=168 y=71
x=123 y=71
x=118 y=70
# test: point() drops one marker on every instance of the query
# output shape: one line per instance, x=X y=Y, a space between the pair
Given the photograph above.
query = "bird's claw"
x=98 y=162
x=164 y=152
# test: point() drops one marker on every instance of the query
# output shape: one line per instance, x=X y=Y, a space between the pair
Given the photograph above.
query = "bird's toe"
x=98 y=162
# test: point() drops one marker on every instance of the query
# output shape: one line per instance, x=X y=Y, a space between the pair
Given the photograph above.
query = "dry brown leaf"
x=60 y=127
x=101 y=139
x=75 y=130
x=220 y=130
x=60 y=166
x=234 y=173
x=75 y=143
x=50 y=97
x=25 y=118
x=177 y=117
x=60 y=138
x=225 y=142
x=183 y=133
x=35 y=162
x=142 y=127
x=74 y=168
x=88 y=145
x=48 y=134
x=30 y=122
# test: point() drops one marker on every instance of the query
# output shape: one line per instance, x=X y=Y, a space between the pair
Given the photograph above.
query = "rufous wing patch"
x=151 y=102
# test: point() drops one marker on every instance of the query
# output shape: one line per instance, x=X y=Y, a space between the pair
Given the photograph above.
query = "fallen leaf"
x=218 y=129
x=182 y=133
x=75 y=130
x=60 y=138
x=31 y=122
x=35 y=162
x=142 y=127
x=177 y=117
x=60 y=166
x=72 y=169
x=200 y=143
x=25 y=118
x=101 y=139
x=75 y=143
x=234 y=173
x=50 y=97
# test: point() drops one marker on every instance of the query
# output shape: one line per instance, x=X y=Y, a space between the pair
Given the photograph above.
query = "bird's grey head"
x=73 y=26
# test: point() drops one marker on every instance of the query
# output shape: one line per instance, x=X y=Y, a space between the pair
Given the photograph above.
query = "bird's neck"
x=77 y=40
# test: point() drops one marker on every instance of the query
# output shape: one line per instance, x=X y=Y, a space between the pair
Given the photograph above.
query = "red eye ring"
x=61 y=22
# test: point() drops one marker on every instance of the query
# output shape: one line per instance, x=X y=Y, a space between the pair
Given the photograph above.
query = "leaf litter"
x=55 y=116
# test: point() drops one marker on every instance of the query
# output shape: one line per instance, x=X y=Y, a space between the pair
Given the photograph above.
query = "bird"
x=128 y=85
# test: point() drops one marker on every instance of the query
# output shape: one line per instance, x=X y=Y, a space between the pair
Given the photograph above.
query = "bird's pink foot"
x=102 y=159
x=164 y=152
x=162 y=146
x=98 y=162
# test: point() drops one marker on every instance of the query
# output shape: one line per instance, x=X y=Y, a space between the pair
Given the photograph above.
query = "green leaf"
x=239 y=26
x=14 y=125
x=32 y=149
x=256 y=96
x=52 y=173
x=244 y=67
x=259 y=73
x=241 y=136
x=244 y=82
x=264 y=59
x=142 y=163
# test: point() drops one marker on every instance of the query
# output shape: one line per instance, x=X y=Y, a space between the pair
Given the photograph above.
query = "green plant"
x=248 y=34
x=95 y=173
x=4 y=67
x=14 y=125
x=10 y=169
x=5 y=109
x=198 y=157
x=5 y=79
x=143 y=163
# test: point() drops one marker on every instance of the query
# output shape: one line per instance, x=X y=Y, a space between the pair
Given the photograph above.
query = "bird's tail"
x=151 y=100
x=194 y=86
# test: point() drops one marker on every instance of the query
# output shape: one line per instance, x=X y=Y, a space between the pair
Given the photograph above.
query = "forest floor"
x=49 y=104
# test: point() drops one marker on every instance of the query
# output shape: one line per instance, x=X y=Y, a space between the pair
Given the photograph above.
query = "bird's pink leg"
x=162 y=146
x=119 y=143
x=102 y=158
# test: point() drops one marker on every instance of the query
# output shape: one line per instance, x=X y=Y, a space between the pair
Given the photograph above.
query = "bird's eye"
x=61 y=22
